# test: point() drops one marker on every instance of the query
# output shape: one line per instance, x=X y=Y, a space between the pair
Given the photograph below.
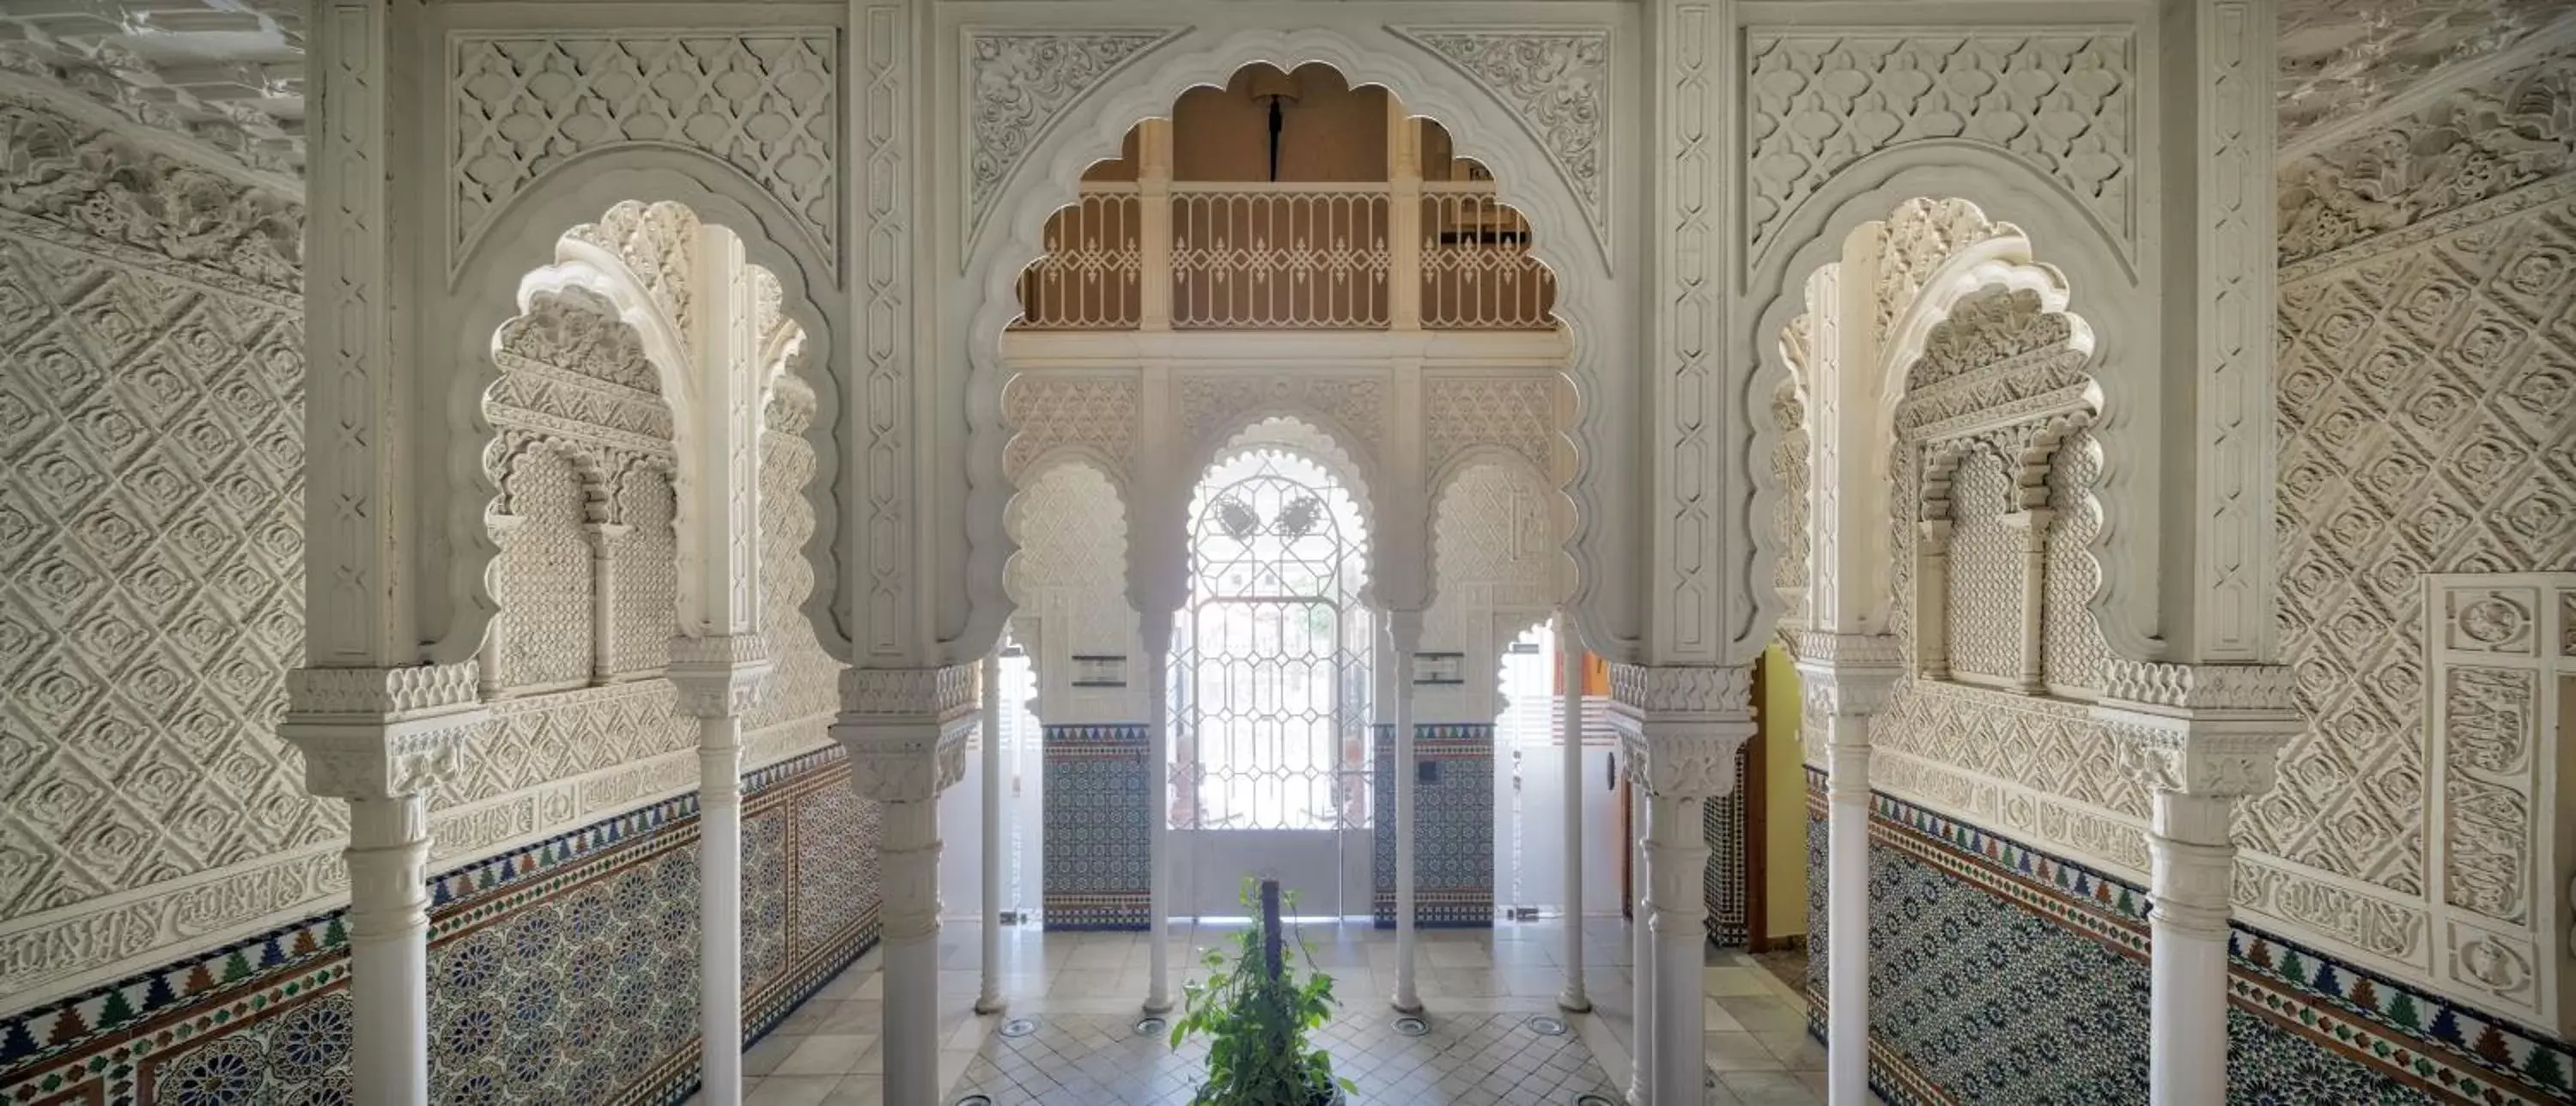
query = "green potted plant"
x=1255 y=1013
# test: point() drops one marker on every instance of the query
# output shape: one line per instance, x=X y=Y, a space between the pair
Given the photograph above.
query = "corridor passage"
x=1490 y=993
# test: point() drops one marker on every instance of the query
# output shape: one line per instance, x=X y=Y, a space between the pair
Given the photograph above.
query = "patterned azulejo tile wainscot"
x=530 y=952
x=1724 y=820
x=1098 y=873
x=2001 y=975
x=1453 y=827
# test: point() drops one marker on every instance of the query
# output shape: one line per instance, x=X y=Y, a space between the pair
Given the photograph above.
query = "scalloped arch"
x=1482 y=127
x=2100 y=285
x=482 y=295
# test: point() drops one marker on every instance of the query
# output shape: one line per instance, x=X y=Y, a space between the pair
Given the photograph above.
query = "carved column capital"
x=906 y=729
x=1848 y=675
x=719 y=675
x=2206 y=731
x=1681 y=726
x=382 y=733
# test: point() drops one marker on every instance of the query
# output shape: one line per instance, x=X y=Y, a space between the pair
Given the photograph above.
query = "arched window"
x=1271 y=694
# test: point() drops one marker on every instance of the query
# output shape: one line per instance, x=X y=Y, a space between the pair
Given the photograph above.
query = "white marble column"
x=1404 y=639
x=906 y=730
x=1569 y=656
x=988 y=996
x=1641 y=952
x=1157 y=635
x=1846 y=909
x=1848 y=679
x=1677 y=916
x=382 y=739
x=719 y=678
x=2198 y=739
x=1681 y=726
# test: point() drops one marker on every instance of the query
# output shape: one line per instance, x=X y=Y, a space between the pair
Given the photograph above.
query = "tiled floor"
x=1082 y=992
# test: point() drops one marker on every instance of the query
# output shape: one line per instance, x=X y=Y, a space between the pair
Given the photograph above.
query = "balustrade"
x=1295 y=256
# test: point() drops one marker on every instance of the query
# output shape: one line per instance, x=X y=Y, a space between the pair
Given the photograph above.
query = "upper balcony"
x=1356 y=237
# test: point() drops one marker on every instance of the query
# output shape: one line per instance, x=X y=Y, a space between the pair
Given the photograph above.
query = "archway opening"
x=1273 y=687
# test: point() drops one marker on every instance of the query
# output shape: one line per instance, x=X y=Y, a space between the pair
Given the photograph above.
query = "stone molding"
x=935 y=695
x=381 y=692
x=2200 y=687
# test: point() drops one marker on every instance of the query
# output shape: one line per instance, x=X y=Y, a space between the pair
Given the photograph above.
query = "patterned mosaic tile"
x=1470 y=1060
x=1453 y=828
x=526 y=950
x=1723 y=821
x=1098 y=871
x=1959 y=912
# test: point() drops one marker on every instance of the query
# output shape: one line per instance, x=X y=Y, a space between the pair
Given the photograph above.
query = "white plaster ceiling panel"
x=229 y=73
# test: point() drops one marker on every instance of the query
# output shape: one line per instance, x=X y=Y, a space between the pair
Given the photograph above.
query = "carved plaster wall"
x=149 y=314
x=763 y=103
x=1496 y=559
x=151 y=424
x=2427 y=383
x=1069 y=581
x=2063 y=103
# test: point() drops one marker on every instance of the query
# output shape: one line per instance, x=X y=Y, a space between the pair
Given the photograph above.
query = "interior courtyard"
x=1190 y=553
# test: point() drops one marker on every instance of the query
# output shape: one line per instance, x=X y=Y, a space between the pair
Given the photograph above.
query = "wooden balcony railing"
x=1436 y=255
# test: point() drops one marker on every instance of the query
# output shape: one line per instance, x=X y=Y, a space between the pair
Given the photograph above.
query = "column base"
x=1573 y=1003
x=987 y=1009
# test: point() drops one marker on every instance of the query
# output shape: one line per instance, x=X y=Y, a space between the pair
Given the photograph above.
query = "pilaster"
x=382 y=739
x=2218 y=117
x=2199 y=739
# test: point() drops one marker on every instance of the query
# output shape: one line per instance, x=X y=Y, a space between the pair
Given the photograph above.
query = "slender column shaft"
x=1676 y=867
x=911 y=872
x=1406 y=999
x=388 y=857
x=2187 y=1022
x=1847 y=913
x=1158 y=828
x=720 y=908
x=1641 y=957
x=988 y=1000
x=1569 y=656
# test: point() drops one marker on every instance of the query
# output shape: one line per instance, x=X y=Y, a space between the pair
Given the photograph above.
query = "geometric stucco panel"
x=524 y=104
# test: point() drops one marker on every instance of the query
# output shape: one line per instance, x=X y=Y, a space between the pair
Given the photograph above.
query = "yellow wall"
x=1784 y=793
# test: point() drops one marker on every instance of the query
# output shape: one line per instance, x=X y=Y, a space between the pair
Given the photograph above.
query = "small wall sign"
x=1099 y=670
x=1439 y=668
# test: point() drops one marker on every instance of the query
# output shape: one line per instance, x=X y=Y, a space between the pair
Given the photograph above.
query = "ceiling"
x=230 y=73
